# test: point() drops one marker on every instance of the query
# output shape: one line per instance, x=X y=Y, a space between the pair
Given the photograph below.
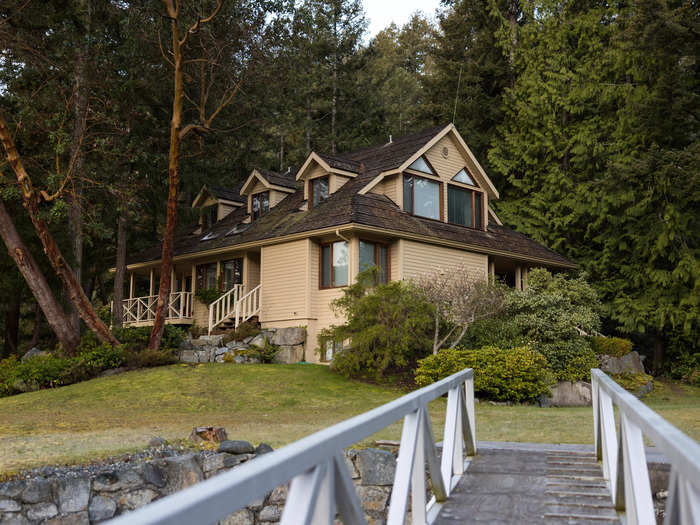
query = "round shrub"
x=516 y=374
x=570 y=360
x=614 y=346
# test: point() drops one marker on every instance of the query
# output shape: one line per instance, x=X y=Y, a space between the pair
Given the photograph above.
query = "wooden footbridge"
x=494 y=483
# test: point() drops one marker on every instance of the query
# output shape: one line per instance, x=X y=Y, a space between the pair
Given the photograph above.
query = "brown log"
x=60 y=323
x=31 y=201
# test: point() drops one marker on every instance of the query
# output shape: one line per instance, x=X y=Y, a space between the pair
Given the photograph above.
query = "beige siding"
x=251 y=270
x=336 y=182
x=200 y=314
x=276 y=197
x=283 y=278
x=420 y=258
x=312 y=173
x=224 y=210
x=389 y=187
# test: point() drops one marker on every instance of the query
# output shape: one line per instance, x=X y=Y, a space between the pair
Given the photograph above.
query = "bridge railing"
x=624 y=460
x=320 y=480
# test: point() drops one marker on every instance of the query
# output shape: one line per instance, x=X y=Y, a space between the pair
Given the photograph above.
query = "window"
x=421 y=197
x=375 y=254
x=464 y=177
x=464 y=207
x=422 y=165
x=209 y=216
x=206 y=276
x=261 y=204
x=332 y=347
x=334 y=264
x=232 y=273
x=318 y=190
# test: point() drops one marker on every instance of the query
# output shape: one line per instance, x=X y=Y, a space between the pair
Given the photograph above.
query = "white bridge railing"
x=143 y=309
x=624 y=460
x=320 y=481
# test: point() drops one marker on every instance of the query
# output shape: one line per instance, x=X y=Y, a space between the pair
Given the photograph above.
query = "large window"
x=464 y=206
x=261 y=204
x=318 y=190
x=375 y=254
x=231 y=273
x=421 y=197
x=334 y=264
x=206 y=276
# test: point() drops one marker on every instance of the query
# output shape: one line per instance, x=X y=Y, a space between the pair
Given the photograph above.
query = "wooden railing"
x=143 y=309
x=224 y=306
x=248 y=305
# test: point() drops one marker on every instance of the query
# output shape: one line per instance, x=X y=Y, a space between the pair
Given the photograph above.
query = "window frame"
x=311 y=189
x=332 y=271
x=222 y=284
x=441 y=191
x=473 y=190
x=377 y=244
x=425 y=159
x=203 y=274
x=252 y=204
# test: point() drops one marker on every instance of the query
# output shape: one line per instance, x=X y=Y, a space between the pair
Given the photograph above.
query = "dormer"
x=264 y=189
x=323 y=175
x=215 y=203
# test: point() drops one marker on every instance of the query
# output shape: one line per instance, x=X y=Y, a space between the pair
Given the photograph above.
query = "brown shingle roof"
x=285 y=180
x=229 y=194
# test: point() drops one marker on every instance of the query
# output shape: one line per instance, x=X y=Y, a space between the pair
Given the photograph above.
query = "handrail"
x=320 y=481
x=224 y=306
x=624 y=461
x=247 y=306
x=143 y=309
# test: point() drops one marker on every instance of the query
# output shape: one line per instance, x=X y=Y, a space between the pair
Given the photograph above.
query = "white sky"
x=381 y=13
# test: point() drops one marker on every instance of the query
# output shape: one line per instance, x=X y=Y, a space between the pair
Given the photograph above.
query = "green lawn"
x=273 y=403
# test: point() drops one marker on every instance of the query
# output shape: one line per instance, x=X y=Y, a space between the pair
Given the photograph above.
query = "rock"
x=248 y=339
x=113 y=481
x=662 y=494
x=289 y=336
x=259 y=340
x=289 y=354
x=13 y=519
x=231 y=460
x=9 y=505
x=207 y=355
x=627 y=364
x=157 y=442
x=73 y=495
x=137 y=499
x=78 y=518
x=256 y=504
x=263 y=448
x=36 y=490
x=34 y=352
x=220 y=351
x=211 y=434
x=189 y=356
x=183 y=471
x=373 y=498
x=376 y=467
x=101 y=508
x=568 y=394
x=270 y=513
x=113 y=371
x=242 y=517
x=207 y=340
x=279 y=495
x=350 y=464
x=41 y=511
x=213 y=463
x=644 y=390
x=237 y=345
x=12 y=489
x=153 y=474
x=236 y=447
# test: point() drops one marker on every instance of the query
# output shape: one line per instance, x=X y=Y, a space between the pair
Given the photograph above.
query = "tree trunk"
x=31 y=200
x=173 y=183
x=334 y=108
x=117 y=304
x=308 y=125
x=60 y=323
x=14 y=303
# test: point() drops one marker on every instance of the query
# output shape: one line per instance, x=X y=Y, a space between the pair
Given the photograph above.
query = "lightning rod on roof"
x=459 y=81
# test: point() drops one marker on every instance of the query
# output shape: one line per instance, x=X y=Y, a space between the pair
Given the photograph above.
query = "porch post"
x=131 y=285
x=194 y=279
x=492 y=271
x=518 y=277
x=150 y=286
x=218 y=273
x=525 y=272
x=172 y=279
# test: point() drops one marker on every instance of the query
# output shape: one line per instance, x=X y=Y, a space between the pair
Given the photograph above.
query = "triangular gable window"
x=421 y=165
x=463 y=177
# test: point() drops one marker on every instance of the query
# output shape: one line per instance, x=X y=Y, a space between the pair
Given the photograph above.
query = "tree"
x=459 y=298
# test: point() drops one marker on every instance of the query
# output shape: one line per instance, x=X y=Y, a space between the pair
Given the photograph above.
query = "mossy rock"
x=639 y=384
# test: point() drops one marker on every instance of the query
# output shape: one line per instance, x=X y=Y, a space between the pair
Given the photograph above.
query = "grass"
x=277 y=404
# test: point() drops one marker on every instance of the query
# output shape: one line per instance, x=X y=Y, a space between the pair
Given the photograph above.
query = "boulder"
x=189 y=356
x=373 y=498
x=289 y=336
x=137 y=499
x=9 y=505
x=157 y=442
x=101 y=508
x=645 y=389
x=34 y=352
x=242 y=517
x=289 y=354
x=36 y=490
x=213 y=463
x=77 y=518
x=153 y=474
x=183 y=471
x=211 y=434
x=629 y=363
x=263 y=448
x=12 y=489
x=73 y=495
x=236 y=447
x=270 y=513
x=376 y=467
x=568 y=394
x=237 y=345
x=117 y=480
x=14 y=519
x=259 y=340
x=41 y=511
x=208 y=340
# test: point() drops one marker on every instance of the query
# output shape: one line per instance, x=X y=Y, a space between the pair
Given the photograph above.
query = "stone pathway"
x=531 y=484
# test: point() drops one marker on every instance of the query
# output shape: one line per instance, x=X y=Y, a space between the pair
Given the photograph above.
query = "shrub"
x=389 y=329
x=614 y=346
x=570 y=360
x=517 y=374
x=686 y=368
x=208 y=295
x=137 y=337
x=266 y=353
x=146 y=357
x=632 y=382
x=246 y=329
x=44 y=371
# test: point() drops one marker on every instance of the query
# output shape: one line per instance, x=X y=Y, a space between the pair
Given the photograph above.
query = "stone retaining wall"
x=80 y=495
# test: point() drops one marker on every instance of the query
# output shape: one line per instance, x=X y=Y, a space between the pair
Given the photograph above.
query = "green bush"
x=146 y=357
x=138 y=337
x=266 y=352
x=246 y=329
x=389 y=329
x=208 y=295
x=686 y=368
x=517 y=374
x=44 y=371
x=570 y=360
x=632 y=382
x=614 y=346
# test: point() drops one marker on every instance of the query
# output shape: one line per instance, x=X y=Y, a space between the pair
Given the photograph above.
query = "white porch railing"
x=320 y=481
x=624 y=460
x=224 y=306
x=143 y=309
x=248 y=305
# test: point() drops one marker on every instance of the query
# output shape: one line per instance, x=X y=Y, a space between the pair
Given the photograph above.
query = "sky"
x=381 y=13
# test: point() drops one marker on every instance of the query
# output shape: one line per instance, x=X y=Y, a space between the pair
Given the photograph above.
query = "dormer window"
x=464 y=206
x=318 y=190
x=463 y=177
x=422 y=165
x=421 y=197
x=260 y=204
x=209 y=216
